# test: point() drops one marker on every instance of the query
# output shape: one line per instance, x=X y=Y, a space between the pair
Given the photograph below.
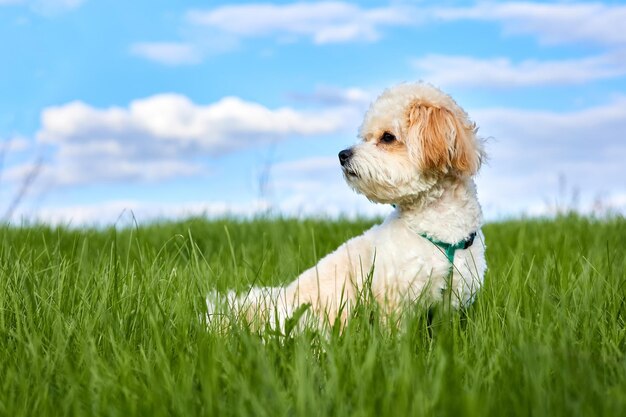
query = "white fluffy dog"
x=418 y=152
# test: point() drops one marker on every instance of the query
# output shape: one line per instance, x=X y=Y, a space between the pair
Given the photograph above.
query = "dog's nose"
x=344 y=156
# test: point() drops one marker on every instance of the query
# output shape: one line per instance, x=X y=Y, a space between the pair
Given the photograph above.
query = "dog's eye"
x=387 y=137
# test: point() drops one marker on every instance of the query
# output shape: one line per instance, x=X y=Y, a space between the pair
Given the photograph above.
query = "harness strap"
x=450 y=248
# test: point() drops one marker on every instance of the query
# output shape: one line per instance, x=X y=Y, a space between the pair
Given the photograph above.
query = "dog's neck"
x=449 y=211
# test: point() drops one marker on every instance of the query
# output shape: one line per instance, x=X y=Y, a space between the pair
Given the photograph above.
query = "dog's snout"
x=345 y=155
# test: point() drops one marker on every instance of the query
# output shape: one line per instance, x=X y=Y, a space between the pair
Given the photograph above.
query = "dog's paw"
x=219 y=307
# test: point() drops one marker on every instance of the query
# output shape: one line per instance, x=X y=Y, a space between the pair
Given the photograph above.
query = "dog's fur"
x=425 y=170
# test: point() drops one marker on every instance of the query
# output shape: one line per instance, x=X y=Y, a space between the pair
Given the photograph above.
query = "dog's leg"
x=258 y=307
x=331 y=286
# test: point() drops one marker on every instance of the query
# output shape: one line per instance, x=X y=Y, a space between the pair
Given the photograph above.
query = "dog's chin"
x=350 y=173
x=353 y=179
x=388 y=190
x=363 y=187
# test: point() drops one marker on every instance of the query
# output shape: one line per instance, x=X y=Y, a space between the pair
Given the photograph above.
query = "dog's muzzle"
x=344 y=159
x=344 y=156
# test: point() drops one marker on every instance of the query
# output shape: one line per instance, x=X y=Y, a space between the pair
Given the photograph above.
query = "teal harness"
x=450 y=248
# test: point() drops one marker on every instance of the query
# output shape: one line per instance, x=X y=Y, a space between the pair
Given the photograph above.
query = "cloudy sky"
x=165 y=109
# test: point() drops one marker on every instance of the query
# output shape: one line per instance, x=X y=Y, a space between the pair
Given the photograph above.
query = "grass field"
x=105 y=323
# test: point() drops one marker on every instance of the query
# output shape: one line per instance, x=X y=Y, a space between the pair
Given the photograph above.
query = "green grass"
x=105 y=323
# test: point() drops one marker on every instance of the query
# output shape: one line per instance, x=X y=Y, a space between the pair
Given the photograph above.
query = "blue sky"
x=168 y=109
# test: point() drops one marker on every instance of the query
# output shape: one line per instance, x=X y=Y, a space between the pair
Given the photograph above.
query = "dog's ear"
x=441 y=142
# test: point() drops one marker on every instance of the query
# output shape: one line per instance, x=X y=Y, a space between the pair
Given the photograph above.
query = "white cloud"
x=229 y=124
x=165 y=136
x=531 y=151
x=169 y=53
x=322 y=22
x=570 y=132
x=221 y=28
x=16 y=173
x=14 y=145
x=126 y=212
x=503 y=73
x=336 y=21
x=74 y=167
x=334 y=96
x=553 y=23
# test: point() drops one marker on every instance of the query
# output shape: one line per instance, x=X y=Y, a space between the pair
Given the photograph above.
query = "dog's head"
x=412 y=136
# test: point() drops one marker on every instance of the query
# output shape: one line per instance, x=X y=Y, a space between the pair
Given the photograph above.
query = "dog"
x=419 y=152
